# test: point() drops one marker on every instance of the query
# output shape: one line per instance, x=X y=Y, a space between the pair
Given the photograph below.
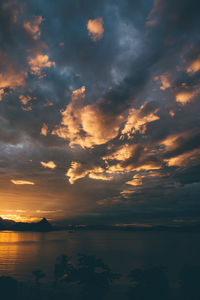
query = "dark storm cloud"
x=130 y=142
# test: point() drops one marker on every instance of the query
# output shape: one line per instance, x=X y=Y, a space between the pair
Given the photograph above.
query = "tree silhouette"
x=8 y=288
x=94 y=277
x=151 y=284
x=63 y=269
x=38 y=274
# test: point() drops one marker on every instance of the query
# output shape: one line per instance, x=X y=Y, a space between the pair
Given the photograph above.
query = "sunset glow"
x=19 y=218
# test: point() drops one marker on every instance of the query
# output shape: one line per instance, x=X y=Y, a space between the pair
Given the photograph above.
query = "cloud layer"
x=99 y=109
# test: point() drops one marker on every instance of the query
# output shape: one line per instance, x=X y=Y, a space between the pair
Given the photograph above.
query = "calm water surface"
x=23 y=252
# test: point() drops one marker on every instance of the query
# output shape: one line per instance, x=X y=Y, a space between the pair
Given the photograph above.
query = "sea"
x=23 y=252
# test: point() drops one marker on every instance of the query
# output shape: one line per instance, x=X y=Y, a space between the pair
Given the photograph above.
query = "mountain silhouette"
x=41 y=226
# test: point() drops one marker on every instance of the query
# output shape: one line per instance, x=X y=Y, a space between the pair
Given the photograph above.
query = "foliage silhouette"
x=151 y=284
x=94 y=277
x=190 y=282
x=8 y=288
x=63 y=269
x=38 y=274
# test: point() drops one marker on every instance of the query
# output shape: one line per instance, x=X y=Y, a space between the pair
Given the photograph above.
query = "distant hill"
x=41 y=226
x=44 y=226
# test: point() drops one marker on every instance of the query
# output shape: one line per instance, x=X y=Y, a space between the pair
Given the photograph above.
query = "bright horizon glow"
x=19 y=218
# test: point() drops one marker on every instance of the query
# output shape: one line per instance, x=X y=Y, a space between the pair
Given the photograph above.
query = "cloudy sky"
x=100 y=111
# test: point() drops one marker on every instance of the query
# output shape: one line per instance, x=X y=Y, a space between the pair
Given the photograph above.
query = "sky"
x=100 y=111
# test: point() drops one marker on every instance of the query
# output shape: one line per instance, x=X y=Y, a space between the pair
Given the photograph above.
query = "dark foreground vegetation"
x=91 y=279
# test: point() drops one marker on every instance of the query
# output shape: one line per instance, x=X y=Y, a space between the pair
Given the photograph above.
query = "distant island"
x=42 y=226
x=45 y=226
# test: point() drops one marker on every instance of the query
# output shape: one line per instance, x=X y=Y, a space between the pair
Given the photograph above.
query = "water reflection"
x=23 y=252
x=8 y=251
x=19 y=252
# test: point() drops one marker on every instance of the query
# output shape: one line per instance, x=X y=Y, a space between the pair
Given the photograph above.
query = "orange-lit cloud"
x=86 y=125
x=33 y=27
x=75 y=172
x=78 y=170
x=171 y=142
x=28 y=108
x=124 y=152
x=140 y=166
x=171 y=113
x=22 y=182
x=97 y=126
x=185 y=97
x=127 y=193
x=174 y=141
x=137 y=121
x=118 y=169
x=99 y=176
x=39 y=62
x=184 y=159
x=165 y=83
x=44 y=130
x=49 y=164
x=70 y=124
x=25 y=99
x=148 y=166
x=48 y=103
x=12 y=79
x=95 y=29
x=155 y=14
x=137 y=180
x=194 y=66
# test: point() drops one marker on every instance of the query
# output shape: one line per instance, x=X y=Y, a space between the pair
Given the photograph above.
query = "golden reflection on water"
x=18 y=250
x=23 y=252
x=8 y=246
x=8 y=251
x=9 y=237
